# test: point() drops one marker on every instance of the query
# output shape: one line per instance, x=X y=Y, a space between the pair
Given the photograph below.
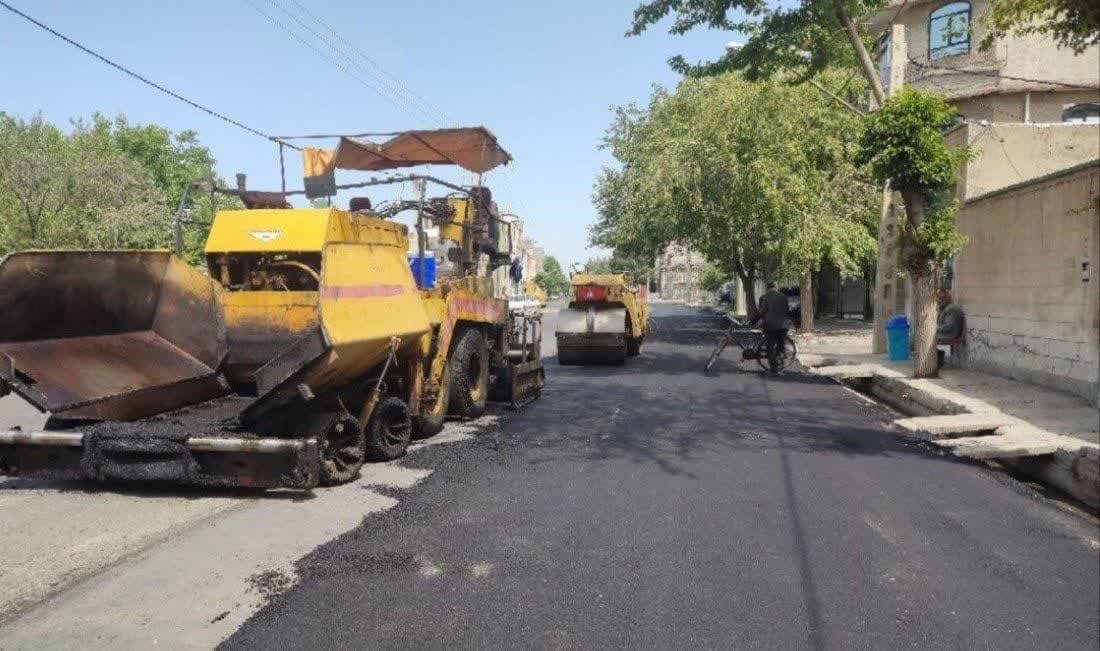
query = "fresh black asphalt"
x=653 y=506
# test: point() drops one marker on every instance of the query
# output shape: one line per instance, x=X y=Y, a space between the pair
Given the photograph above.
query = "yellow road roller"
x=604 y=322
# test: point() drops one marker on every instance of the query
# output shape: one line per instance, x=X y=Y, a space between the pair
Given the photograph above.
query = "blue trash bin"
x=897 y=338
x=429 y=269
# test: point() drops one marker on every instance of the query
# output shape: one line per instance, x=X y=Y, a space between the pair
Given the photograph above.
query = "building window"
x=949 y=30
x=1087 y=113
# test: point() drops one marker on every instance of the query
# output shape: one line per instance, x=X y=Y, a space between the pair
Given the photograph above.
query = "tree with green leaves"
x=1074 y=24
x=551 y=278
x=805 y=37
x=756 y=176
x=712 y=278
x=903 y=141
x=172 y=160
x=59 y=191
x=104 y=184
x=598 y=266
x=638 y=266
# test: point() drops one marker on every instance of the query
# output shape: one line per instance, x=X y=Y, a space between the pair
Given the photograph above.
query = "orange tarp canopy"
x=472 y=148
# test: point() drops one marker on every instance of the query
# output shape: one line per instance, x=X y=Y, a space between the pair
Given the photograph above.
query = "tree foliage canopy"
x=712 y=277
x=639 y=266
x=904 y=142
x=104 y=184
x=551 y=278
x=756 y=176
x=806 y=36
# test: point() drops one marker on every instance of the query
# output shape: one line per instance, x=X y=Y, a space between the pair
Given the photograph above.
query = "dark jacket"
x=773 y=310
x=950 y=323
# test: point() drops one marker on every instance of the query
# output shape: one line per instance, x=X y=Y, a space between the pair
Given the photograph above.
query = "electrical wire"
x=407 y=97
x=998 y=75
x=346 y=70
x=351 y=47
x=1004 y=150
x=123 y=69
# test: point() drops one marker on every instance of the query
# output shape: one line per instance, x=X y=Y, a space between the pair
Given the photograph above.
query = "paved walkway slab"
x=1011 y=442
x=931 y=428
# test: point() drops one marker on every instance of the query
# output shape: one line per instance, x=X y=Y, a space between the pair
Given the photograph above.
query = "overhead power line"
x=399 y=103
x=998 y=75
x=368 y=59
x=123 y=69
x=399 y=91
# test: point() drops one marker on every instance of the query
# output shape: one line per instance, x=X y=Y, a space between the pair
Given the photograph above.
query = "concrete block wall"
x=1031 y=313
x=1009 y=154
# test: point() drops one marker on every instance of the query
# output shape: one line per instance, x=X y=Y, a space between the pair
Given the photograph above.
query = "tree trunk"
x=925 y=313
x=806 y=300
x=748 y=282
x=924 y=277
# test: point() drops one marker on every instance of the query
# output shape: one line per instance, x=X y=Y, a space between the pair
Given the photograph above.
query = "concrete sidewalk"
x=1049 y=434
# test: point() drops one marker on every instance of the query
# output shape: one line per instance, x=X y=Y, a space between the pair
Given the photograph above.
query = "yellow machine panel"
x=367 y=297
x=453 y=231
x=278 y=231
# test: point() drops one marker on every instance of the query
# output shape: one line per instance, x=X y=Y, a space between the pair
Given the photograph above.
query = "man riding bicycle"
x=773 y=315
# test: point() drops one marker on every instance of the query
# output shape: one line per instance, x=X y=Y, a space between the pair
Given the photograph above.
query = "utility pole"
x=886 y=267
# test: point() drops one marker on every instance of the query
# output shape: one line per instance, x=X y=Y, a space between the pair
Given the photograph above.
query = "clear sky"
x=541 y=75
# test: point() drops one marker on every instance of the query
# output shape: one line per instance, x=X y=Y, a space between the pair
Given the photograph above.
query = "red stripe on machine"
x=361 y=291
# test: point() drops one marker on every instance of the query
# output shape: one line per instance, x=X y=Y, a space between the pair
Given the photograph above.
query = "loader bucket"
x=109 y=335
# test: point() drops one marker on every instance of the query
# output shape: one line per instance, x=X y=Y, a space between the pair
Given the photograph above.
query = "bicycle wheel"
x=760 y=350
x=717 y=352
x=786 y=360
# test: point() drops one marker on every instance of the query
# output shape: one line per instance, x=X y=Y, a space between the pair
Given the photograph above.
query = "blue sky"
x=541 y=75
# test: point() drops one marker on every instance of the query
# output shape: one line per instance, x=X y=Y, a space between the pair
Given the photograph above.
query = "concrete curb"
x=971 y=428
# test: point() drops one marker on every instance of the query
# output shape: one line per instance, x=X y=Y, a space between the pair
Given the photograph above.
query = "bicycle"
x=753 y=346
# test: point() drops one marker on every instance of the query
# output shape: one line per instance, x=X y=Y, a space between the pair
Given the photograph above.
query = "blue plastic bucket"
x=429 y=269
x=897 y=338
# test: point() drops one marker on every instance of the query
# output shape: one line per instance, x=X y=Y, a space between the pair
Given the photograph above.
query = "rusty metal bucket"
x=109 y=335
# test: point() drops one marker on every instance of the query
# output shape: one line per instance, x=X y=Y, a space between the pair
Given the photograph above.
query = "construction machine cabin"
x=306 y=348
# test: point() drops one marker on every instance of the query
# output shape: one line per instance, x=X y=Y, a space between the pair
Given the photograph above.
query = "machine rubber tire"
x=343 y=451
x=389 y=430
x=500 y=388
x=428 y=425
x=469 y=371
x=634 y=346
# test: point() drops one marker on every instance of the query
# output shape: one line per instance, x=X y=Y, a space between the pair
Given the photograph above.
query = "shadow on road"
x=661 y=409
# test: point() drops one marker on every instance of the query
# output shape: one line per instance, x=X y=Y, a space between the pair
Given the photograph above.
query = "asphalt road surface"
x=653 y=506
x=647 y=505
